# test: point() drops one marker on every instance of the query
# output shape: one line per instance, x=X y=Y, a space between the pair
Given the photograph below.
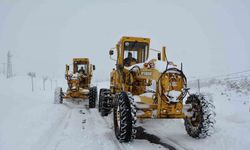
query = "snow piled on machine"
x=153 y=63
x=173 y=95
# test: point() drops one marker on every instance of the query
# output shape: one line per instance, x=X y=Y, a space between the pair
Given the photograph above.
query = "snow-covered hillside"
x=25 y=116
x=30 y=121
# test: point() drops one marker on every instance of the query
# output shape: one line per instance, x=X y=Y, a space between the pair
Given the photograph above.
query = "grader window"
x=82 y=68
x=135 y=52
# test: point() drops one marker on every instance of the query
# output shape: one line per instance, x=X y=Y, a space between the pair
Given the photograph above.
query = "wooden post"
x=32 y=75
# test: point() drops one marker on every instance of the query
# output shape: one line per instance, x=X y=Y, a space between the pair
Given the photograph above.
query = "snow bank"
x=25 y=115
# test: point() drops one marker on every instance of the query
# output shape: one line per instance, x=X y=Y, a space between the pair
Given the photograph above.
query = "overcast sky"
x=210 y=37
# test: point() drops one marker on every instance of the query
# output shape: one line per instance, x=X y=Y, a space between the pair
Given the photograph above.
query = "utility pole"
x=9 y=65
x=44 y=80
x=32 y=75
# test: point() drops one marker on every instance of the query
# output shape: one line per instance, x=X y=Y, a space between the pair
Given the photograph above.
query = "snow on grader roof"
x=158 y=65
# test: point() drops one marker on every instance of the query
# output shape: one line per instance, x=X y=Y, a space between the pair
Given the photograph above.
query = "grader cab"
x=151 y=89
x=79 y=83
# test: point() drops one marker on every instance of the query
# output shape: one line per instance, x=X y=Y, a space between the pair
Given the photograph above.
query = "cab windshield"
x=135 y=52
x=81 y=68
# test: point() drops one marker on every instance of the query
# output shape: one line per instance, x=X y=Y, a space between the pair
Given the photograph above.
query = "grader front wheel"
x=124 y=118
x=201 y=124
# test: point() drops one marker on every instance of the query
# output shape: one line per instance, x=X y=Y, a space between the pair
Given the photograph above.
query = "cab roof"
x=81 y=60
x=132 y=39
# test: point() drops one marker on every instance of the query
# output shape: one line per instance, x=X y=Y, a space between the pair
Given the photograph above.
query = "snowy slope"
x=31 y=121
x=25 y=116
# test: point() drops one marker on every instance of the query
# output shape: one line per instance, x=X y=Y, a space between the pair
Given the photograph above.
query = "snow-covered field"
x=30 y=121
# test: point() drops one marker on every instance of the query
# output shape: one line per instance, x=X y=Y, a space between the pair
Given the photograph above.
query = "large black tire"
x=100 y=100
x=105 y=102
x=92 y=97
x=58 y=96
x=201 y=124
x=124 y=117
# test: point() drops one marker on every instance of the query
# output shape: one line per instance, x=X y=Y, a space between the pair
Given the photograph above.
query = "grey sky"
x=209 y=37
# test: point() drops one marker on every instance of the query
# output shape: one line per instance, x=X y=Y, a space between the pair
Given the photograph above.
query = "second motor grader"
x=79 y=83
x=151 y=89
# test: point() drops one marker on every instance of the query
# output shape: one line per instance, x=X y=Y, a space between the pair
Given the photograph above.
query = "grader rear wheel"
x=105 y=102
x=92 y=97
x=100 y=100
x=201 y=124
x=58 y=97
x=124 y=117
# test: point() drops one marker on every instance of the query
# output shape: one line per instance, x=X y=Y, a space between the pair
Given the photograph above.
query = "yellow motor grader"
x=79 y=83
x=141 y=89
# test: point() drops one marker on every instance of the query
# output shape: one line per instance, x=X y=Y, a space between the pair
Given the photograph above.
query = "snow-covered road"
x=30 y=121
x=84 y=128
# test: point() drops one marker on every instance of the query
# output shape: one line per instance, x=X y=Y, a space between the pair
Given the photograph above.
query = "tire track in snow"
x=62 y=129
x=172 y=142
x=55 y=137
x=141 y=134
x=169 y=140
x=111 y=134
x=95 y=114
x=112 y=137
x=45 y=139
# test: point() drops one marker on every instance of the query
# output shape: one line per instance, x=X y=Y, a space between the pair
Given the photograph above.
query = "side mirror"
x=93 y=67
x=159 y=56
x=111 y=52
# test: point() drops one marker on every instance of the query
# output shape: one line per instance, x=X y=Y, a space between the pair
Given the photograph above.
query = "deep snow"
x=31 y=121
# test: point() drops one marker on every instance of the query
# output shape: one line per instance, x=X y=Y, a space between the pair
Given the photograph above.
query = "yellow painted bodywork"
x=121 y=79
x=78 y=87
